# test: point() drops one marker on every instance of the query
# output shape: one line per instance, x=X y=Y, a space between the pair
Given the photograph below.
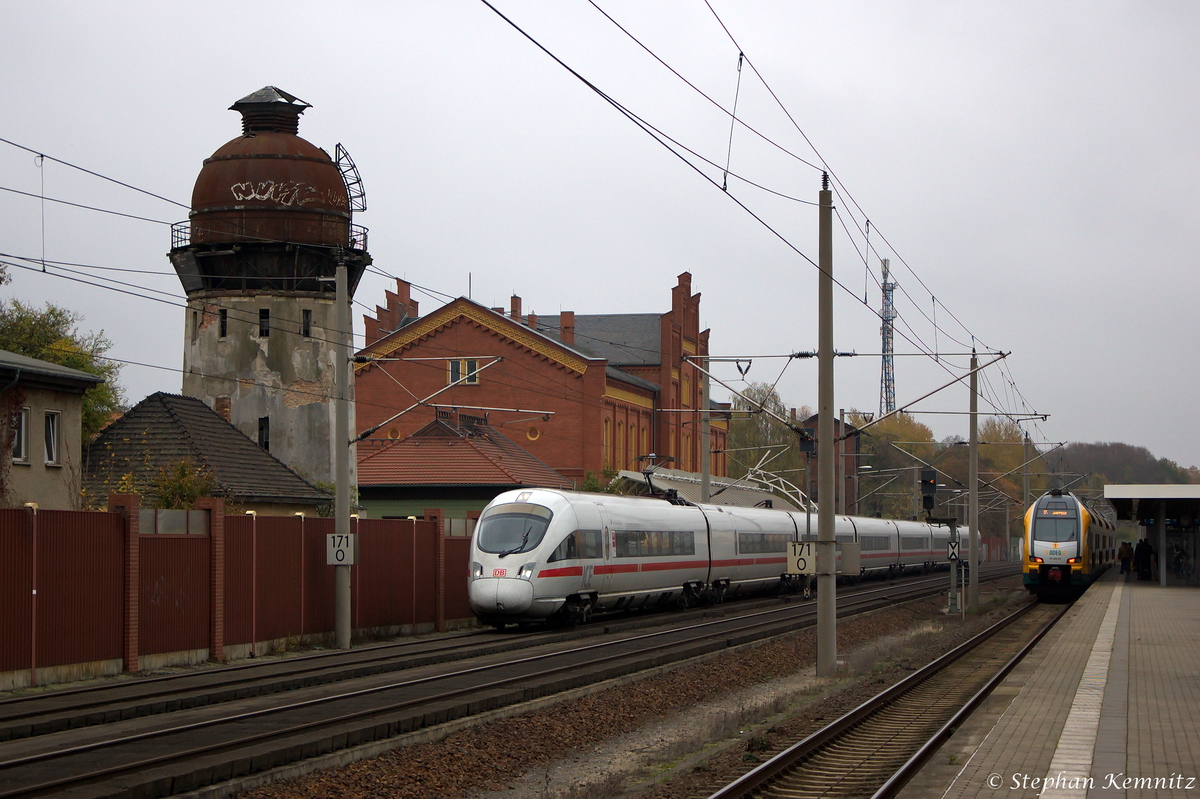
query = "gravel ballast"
x=671 y=735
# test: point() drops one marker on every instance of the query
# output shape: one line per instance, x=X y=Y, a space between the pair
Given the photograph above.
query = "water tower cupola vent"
x=270 y=110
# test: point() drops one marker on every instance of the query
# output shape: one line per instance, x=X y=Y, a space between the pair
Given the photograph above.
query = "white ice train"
x=539 y=554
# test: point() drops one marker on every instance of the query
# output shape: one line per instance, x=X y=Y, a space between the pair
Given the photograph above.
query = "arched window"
x=607 y=443
x=620 y=464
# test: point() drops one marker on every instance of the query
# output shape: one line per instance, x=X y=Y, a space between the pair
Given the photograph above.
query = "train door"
x=601 y=573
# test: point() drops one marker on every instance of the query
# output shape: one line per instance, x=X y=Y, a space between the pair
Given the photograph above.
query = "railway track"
x=876 y=748
x=256 y=728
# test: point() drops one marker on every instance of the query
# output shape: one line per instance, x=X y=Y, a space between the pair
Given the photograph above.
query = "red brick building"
x=580 y=392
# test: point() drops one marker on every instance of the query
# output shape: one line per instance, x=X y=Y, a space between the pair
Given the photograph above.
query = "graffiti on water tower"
x=290 y=193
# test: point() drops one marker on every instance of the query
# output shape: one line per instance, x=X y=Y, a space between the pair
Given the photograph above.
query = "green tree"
x=755 y=436
x=50 y=334
x=894 y=449
x=182 y=483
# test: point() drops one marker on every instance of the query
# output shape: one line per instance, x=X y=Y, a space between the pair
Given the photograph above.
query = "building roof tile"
x=164 y=429
x=443 y=454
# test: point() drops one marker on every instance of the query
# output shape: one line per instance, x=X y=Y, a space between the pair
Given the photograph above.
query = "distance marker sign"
x=803 y=559
x=341 y=549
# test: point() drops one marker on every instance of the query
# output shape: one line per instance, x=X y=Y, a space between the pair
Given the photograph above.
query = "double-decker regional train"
x=1067 y=546
x=541 y=554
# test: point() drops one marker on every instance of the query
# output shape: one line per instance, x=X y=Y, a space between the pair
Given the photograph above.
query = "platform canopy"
x=1139 y=503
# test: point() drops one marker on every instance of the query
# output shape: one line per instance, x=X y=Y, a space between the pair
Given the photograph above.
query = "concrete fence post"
x=129 y=505
x=437 y=516
x=216 y=571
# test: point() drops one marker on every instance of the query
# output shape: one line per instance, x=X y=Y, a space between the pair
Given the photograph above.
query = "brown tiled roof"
x=164 y=429
x=441 y=454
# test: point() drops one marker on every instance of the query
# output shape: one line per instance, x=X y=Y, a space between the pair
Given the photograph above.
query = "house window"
x=264 y=432
x=306 y=323
x=223 y=315
x=264 y=322
x=464 y=367
x=20 y=449
x=195 y=325
x=52 y=443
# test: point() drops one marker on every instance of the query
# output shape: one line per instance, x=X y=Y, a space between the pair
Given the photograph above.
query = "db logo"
x=499 y=572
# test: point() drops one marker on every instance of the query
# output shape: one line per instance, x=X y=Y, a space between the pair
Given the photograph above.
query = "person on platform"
x=1125 y=553
x=1141 y=560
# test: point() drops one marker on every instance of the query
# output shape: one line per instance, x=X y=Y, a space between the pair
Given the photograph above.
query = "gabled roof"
x=625 y=339
x=164 y=429
x=462 y=308
x=441 y=454
x=43 y=374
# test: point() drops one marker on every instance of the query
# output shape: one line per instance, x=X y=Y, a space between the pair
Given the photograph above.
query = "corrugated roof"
x=722 y=490
x=441 y=454
x=164 y=429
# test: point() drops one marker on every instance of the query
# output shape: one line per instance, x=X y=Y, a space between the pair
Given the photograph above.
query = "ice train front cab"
x=515 y=534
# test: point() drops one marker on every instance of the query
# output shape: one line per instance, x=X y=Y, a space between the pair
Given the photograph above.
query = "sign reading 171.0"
x=341 y=549
x=803 y=559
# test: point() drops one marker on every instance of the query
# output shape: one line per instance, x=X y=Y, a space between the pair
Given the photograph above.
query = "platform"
x=1107 y=705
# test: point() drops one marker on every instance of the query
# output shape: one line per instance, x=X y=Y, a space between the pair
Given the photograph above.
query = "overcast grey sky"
x=1035 y=164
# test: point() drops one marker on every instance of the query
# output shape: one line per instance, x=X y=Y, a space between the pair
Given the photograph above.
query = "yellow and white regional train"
x=1067 y=546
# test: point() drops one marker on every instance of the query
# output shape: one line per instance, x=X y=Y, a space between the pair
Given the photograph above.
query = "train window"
x=876 y=542
x=910 y=542
x=513 y=527
x=647 y=543
x=749 y=543
x=1055 y=529
x=579 y=544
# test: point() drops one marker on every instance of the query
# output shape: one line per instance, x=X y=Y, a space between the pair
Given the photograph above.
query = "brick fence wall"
x=84 y=593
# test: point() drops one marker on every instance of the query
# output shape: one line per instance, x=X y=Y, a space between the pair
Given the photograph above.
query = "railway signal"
x=928 y=487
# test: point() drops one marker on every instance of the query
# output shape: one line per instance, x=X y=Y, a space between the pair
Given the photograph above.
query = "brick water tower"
x=271 y=217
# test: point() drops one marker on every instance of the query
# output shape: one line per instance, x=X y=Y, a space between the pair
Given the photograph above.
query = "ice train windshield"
x=512 y=528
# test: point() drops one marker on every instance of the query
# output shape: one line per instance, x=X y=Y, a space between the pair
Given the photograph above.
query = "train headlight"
x=526 y=571
x=1035 y=559
x=476 y=570
x=1073 y=560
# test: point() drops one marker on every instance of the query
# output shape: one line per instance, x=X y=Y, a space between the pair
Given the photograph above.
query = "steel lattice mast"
x=887 y=383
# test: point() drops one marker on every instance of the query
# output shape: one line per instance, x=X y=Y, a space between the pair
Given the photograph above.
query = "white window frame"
x=456 y=368
x=52 y=437
x=21 y=436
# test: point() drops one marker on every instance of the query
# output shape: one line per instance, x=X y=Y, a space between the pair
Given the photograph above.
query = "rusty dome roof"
x=269 y=184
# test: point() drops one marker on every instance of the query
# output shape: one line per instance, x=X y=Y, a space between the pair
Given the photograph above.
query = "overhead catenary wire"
x=94 y=174
x=733 y=122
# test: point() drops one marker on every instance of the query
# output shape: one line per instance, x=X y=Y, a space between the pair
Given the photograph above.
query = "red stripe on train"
x=617 y=568
x=670 y=566
x=565 y=571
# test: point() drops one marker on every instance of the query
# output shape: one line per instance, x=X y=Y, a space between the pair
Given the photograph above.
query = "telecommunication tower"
x=887 y=383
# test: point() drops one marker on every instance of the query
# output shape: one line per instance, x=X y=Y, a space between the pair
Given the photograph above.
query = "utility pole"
x=841 y=462
x=826 y=495
x=973 y=493
x=341 y=446
x=705 y=436
x=1025 y=475
x=916 y=509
